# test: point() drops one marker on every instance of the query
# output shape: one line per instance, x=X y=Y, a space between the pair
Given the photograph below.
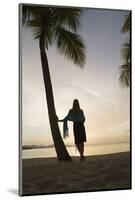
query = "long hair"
x=76 y=106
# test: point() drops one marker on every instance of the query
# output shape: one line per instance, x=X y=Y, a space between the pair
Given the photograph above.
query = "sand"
x=101 y=172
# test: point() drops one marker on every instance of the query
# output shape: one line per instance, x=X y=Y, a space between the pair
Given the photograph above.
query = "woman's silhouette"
x=76 y=115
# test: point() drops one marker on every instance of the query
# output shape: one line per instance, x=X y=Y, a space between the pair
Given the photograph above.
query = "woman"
x=76 y=115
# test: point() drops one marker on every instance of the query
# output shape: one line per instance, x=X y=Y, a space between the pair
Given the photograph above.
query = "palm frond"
x=71 y=45
x=49 y=37
x=126 y=27
x=125 y=52
x=28 y=13
x=56 y=23
x=39 y=22
x=70 y=18
x=125 y=75
x=36 y=32
x=35 y=25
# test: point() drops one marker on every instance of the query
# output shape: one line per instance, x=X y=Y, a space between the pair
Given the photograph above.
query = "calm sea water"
x=89 y=150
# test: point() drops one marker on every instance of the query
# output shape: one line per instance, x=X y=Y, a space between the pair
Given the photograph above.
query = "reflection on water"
x=89 y=150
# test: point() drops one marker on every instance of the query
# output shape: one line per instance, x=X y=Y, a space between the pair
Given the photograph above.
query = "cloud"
x=102 y=98
x=122 y=126
x=88 y=90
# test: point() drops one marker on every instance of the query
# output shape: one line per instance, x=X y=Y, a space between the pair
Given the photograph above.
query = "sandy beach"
x=101 y=172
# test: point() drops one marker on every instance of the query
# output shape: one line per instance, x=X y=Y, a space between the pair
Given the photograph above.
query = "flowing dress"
x=78 y=126
x=79 y=132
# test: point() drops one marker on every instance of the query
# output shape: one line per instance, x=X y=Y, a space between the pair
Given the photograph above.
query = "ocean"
x=88 y=150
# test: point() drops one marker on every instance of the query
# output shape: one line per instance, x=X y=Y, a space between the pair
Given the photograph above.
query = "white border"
x=9 y=98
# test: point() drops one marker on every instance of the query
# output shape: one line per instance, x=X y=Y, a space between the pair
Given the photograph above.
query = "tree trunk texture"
x=60 y=148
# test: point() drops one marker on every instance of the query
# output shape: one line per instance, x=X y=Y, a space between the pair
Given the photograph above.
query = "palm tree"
x=59 y=25
x=125 y=51
x=125 y=68
x=127 y=24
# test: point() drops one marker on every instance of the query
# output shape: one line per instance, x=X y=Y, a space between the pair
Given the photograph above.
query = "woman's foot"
x=82 y=158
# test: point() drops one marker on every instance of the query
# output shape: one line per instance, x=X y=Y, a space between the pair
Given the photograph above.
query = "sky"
x=105 y=103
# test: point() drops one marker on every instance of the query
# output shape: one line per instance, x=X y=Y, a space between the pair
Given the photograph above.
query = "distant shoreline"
x=41 y=147
x=27 y=147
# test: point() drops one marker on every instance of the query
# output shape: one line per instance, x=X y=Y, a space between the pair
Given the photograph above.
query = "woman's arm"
x=62 y=120
x=59 y=120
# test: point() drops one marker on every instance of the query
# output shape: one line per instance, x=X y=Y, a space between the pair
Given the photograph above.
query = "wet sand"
x=101 y=172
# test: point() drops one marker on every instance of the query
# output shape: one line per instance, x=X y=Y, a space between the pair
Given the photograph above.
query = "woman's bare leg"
x=81 y=150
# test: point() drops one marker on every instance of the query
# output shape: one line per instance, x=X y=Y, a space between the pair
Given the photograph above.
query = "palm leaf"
x=39 y=22
x=68 y=17
x=125 y=75
x=56 y=23
x=126 y=26
x=28 y=13
x=125 y=52
x=71 y=45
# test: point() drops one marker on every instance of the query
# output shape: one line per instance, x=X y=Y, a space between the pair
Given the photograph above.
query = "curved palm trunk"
x=60 y=148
